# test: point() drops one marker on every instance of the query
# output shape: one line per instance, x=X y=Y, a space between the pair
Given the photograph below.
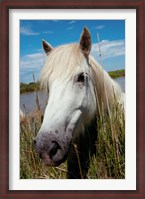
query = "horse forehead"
x=59 y=84
x=65 y=76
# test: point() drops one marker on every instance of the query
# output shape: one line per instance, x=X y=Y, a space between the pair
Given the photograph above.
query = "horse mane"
x=63 y=61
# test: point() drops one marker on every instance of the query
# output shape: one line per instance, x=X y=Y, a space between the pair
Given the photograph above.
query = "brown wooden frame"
x=6 y=5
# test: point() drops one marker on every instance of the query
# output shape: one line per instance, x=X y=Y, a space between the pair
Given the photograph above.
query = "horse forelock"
x=62 y=63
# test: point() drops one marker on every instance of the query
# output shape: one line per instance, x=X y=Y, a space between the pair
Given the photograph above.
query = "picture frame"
x=5 y=103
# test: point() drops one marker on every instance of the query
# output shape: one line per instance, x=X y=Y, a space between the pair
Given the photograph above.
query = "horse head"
x=71 y=102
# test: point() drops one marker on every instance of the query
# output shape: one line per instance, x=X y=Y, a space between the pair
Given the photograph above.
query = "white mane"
x=63 y=61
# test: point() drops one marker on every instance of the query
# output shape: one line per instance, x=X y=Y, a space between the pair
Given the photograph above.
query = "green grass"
x=31 y=166
x=117 y=73
x=109 y=162
x=110 y=158
x=32 y=86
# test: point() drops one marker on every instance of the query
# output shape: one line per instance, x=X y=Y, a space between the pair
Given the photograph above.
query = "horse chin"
x=52 y=163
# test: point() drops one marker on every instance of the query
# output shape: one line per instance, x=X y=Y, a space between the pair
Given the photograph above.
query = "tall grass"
x=109 y=161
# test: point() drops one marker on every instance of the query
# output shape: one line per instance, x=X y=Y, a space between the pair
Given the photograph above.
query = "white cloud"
x=71 y=22
x=31 y=64
x=27 y=31
x=70 y=28
x=32 y=61
x=48 y=32
x=55 y=20
x=109 y=49
x=99 y=27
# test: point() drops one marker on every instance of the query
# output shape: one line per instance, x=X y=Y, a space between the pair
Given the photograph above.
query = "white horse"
x=79 y=91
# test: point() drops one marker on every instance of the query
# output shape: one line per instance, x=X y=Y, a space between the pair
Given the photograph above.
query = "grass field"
x=109 y=162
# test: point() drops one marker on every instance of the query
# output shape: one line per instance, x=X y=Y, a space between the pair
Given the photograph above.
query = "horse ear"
x=85 y=41
x=47 y=47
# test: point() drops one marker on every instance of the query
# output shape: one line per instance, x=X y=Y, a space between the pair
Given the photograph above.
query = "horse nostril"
x=34 y=142
x=40 y=155
x=54 y=148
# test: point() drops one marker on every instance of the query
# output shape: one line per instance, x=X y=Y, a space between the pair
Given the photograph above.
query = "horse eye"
x=81 y=77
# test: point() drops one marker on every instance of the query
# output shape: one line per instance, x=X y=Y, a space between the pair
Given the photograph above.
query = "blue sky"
x=58 y=32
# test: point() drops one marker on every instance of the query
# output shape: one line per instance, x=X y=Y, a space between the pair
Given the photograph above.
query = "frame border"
x=5 y=6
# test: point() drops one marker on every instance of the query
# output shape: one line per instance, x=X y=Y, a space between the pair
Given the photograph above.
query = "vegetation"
x=110 y=158
x=31 y=166
x=32 y=85
x=117 y=73
x=109 y=162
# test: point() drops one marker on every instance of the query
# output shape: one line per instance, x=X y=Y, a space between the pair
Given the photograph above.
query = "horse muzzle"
x=51 y=150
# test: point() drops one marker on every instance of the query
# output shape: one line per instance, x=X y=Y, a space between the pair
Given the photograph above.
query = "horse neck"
x=87 y=136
